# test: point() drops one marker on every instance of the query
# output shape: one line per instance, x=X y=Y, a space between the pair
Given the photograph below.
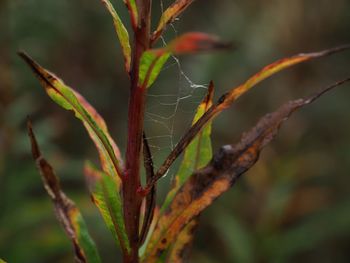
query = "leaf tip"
x=34 y=144
x=23 y=55
x=210 y=94
x=329 y=88
x=208 y=99
x=325 y=52
x=35 y=67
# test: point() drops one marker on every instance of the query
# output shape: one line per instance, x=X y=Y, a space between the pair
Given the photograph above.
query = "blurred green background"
x=293 y=206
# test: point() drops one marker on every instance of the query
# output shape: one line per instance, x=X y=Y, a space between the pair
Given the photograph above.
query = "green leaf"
x=122 y=33
x=2 y=261
x=69 y=99
x=66 y=211
x=105 y=194
x=83 y=236
x=151 y=64
x=197 y=154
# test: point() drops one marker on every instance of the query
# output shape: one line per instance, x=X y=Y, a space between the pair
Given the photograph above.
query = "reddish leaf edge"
x=35 y=67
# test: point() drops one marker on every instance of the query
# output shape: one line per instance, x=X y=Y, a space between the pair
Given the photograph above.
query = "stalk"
x=131 y=198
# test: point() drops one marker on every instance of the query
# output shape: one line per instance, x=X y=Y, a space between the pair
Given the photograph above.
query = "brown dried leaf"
x=66 y=211
x=219 y=175
x=227 y=99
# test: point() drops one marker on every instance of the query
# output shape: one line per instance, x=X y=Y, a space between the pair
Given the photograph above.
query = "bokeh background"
x=293 y=206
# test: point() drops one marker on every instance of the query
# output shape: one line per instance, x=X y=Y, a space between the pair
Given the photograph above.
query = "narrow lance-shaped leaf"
x=66 y=211
x=153 y=60
x=132 y=7
x=227 y=99
x=219 y=175
x=69 y=99
x=105 y=194
x=143 y=247
x=150 y=200
x=122 y=33
x=169 y=15
x=197 y=154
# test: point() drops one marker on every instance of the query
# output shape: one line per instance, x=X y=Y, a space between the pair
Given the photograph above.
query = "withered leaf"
x=66 y=211
x=230 y=97
x=227 y=165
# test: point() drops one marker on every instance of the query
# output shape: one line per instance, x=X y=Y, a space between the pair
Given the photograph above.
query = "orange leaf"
x=195 y=42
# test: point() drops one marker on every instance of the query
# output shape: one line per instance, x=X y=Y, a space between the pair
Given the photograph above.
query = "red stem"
x=132 y=200
x=131 y=182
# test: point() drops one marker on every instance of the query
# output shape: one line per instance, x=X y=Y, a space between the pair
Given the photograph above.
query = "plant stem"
x=131 y=198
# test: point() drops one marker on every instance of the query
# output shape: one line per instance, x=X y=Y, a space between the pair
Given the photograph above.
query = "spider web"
x=171 y=105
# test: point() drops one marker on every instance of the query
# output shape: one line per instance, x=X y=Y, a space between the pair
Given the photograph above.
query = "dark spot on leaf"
x=223 y=98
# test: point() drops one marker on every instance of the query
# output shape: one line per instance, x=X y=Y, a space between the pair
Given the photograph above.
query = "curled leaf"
x=219 y=175
x=105 y=194
x=66 y=211
x=122 y=33
x=69 y=99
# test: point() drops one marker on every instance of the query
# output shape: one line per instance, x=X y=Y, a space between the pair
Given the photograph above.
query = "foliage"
x=117 y=189
x=66 y=211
